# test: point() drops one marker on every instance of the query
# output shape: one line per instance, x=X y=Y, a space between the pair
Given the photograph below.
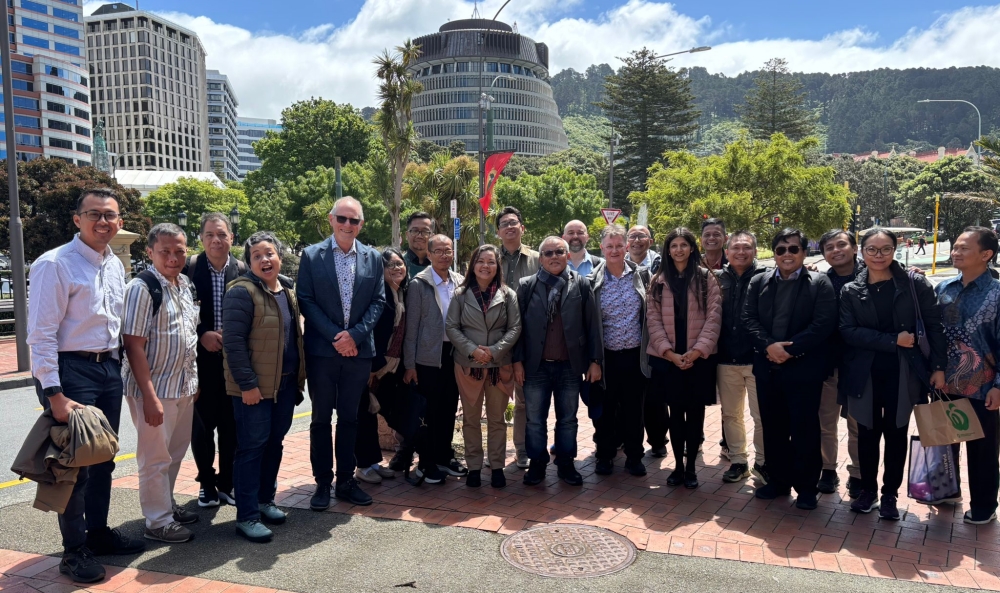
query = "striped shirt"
x=171 y=337
x=218 y=291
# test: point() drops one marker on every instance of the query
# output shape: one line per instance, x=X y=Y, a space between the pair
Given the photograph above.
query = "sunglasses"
x=781 y=250
x=554 y=252
x=345 y=220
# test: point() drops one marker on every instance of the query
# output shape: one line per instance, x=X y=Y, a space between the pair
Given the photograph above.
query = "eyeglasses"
x=395 y=265
x=553 y=252
x=509 y=223
x=637 y=237
x=419 y=233
x=873 y=251
x=443 y=252
x=345 y=220
x=95 y=215
x=781 y=249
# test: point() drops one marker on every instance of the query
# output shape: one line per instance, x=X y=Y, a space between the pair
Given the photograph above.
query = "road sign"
x=454 y=208
x=458 y=228
x=610 y=214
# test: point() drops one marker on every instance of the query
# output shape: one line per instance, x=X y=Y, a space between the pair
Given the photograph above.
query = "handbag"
x=933 y=473
x=946 y=421
x=921 y=339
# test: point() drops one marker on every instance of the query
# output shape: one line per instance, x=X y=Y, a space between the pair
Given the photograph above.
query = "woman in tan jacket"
x=483 y=324
x=684 y=314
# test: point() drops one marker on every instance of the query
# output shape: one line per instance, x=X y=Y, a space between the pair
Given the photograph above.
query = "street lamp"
x=693 y=50
x=486 y=102
x=234 y=217
x=979 y=149
x=182 y=219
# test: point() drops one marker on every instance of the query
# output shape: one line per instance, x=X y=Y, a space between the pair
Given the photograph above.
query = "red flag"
x=494 y=166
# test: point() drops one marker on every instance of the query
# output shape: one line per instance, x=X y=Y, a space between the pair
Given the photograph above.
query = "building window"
x=23 y=85
x=59 y=143
x=67 y=49
x=63 y=14
x=83 y=131
x=33 y=24
x=83 y=147
x=34 y=41
x=23 y=121
x=60 y=125
x=21 y=67
x=34 y=6
x=57 y=107
x=492 y=67
x=25 y=103
x=505 y=68
x=66 y=31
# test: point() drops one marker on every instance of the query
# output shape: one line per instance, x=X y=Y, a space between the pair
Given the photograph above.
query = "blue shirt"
x=972 y=328
x=586 y=266
x=793 y=276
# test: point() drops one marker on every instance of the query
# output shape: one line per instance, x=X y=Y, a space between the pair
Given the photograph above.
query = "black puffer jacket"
x=735 y=344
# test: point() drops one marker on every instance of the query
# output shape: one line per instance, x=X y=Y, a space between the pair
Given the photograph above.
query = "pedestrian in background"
x=684 y=309
x=265 y=379
x=884 y=373
x=74 y=330
x=483 y=324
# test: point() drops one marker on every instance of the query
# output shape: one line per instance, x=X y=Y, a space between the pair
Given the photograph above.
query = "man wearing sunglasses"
x=790 y=314
x=74 y=326
x=560 y=345
x=341 y=292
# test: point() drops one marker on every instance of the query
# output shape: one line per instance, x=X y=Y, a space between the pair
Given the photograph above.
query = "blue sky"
x=324 y=49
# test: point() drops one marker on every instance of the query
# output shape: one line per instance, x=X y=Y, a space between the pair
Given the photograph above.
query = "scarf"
x=555 y=286
x=484 y=298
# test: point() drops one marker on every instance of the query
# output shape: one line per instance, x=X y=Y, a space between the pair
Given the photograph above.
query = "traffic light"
x=704 y=217
x=777 y=220
x=929 y=223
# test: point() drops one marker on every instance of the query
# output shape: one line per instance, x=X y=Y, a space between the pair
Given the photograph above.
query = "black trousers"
x=655 y=416
x=789 y=414
x=885 y=391
x=335 y=383
x=983 y=459
x=622 y=401
x=400 y=408
x=685 y=393
x=213 y=412
x=440 y=390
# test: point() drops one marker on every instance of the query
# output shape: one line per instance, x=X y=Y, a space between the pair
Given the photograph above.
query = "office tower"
x=250 y=130
x=222 y=143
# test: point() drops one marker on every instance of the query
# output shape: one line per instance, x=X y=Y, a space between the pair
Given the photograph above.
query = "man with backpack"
x=210 y=272
x=159 y=331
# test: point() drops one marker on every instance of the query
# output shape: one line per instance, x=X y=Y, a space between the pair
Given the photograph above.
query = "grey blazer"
x=468 y=327
x=424 y=336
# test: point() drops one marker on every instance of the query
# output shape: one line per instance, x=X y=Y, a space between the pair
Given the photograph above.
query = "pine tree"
x=652 y=108
x=776 y=103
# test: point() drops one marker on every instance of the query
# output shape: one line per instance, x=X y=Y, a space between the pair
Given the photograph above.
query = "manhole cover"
x=568 y=551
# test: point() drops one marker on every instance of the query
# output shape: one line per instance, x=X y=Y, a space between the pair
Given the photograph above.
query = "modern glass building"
x=222 y=141
x=148 y=83
x=49 y=76
x=467 y=55
x=250 y=130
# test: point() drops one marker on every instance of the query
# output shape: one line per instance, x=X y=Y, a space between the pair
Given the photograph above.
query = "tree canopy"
x=196 y=197
x=776 y=104
x=968 y=195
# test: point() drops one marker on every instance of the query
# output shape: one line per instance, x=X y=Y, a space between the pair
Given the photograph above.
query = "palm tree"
x=432 y=186
x=991 y=156
x=394 y=119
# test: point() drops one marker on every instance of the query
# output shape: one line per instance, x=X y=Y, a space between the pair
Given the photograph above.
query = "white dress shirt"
x=75 y=303
x=446 y=289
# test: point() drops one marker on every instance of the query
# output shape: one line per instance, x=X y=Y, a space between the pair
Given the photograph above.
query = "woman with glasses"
x=483 y=325
x=884 y=374
x=386 y=393
x=684 y=316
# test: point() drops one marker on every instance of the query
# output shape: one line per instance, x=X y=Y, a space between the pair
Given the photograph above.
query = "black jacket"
x=735 y=345
x=581 y=323
x=814 y=318
x=859 y=323
x=197 y=270
x=383 y=330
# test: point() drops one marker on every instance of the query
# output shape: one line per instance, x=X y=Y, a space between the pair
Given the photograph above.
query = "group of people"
x=207 y=344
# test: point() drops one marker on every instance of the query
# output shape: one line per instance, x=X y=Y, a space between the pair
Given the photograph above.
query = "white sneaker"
x=368 y=475
x=522 y=461
x=384 y=471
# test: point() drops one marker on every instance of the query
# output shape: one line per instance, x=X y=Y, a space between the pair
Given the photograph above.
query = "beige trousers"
x=473 y=393
x=829 y=417
x=737 y=385
x=520 y=422
x=159 y=452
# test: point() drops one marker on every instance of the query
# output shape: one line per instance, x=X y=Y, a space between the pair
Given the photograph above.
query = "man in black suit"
x=210 y=272
x=341 y=292
x=790 y=314
x=560 y=343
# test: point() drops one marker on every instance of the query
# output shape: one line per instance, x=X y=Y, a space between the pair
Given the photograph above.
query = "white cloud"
x=271 y=70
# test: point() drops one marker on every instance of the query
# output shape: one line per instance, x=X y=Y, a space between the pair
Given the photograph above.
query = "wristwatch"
x=50 y=391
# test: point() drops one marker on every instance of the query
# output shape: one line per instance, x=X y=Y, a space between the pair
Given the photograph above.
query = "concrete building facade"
x=250 y=130
x=469 y=54
x=222 y=133
x=50 y=82
x=148 y=83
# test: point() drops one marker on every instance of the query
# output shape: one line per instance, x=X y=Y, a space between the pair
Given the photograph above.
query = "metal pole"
x=18 y=279
x=482 y=166
x=611 y=170
x=937 y=209
x=338 y=185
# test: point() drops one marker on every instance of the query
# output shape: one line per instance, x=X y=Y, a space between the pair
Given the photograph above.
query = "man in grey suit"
x=341 y=295
x=560 y=344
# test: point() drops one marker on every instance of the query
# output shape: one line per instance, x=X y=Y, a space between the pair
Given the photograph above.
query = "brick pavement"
x=8 y=360
x=725 y=521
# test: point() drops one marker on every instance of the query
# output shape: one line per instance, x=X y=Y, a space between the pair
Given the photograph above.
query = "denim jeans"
x=552 y=378
x=97 y=384
x=260 y=430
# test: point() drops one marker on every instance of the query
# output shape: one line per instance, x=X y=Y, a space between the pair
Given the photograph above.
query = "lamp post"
x=489 y=110
x=979 y=149
x=693 y=50
x=182 y=221
x=482 y=105
x=234 y=217
x=937 y=211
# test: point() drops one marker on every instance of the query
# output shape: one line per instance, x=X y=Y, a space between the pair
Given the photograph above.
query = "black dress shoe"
x=569 y=475
x=352 y=493
x=690 y=480
x=828 y=482
x=535 y=473
x=604 y=467
x=321 y=498
x=401 y=461
x=498 y=479
x=112 y=542
x=854 y=487
x=770 y=492
x=676 y=478
x=806 y=502
x=658 y=452
x=80 y=565
x=474 y=479
x=635 y=467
